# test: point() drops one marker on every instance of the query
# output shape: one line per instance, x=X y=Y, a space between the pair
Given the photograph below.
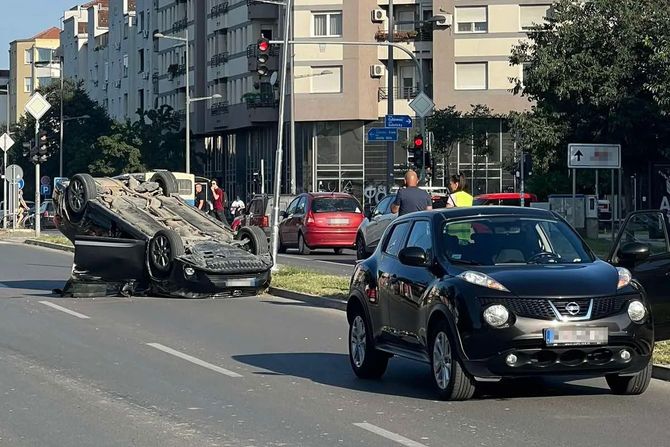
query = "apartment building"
x=24 y=75
x=4 y=98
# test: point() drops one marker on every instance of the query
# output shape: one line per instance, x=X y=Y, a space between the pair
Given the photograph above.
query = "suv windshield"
x=335 y=205
x=512 y=240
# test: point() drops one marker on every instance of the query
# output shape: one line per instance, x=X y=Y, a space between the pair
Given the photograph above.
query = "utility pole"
x=62 y=127
x=188 y=106
x=521 y=164
x=390 y=145
x=294 y=164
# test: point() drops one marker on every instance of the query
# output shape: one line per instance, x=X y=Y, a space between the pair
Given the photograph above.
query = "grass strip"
x=313 y=283
x=662 y=353
x=55 y=240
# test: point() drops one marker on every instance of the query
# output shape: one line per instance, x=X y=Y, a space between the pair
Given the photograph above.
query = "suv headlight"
x=481 y=279
x=636 y=311
x=496 y=315
x=625 y=277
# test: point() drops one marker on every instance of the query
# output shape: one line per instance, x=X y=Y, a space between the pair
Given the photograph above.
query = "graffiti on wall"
x=374 y=194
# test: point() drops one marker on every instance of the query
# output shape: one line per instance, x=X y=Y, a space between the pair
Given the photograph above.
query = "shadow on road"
x=403 y=378
x=34 y=284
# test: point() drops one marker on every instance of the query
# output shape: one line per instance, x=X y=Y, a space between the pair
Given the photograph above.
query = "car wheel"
x=256 y=242
x=302 y=246
x=338 y=251
x=167 y=181
x=449 y=378
x=81 y=189
x=366 y=361
x=164 y=248
x=361 y=252
x=630 y=385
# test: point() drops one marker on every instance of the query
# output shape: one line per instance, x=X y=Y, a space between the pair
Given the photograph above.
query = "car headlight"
x=481 y=279
x=625 y=277
x=496 y=315
x=636 y=311
x=189 y=271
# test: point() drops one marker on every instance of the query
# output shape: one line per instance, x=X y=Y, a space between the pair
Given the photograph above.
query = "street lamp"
x=184 y=41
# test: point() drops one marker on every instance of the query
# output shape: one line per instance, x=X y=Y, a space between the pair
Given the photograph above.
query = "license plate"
x=240 y=282
x=576 y=336
x=338 y=221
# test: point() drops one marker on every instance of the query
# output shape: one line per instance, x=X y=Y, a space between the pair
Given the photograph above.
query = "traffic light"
x=28 y=148
x=262 y=56
x=419 y=156
x=527 y=166
x=42 y=143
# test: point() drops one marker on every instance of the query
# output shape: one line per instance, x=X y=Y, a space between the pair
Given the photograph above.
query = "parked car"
x=504 y=199
x=320 y=220
x=258 y=213
x=501 y=292
x=373 y=226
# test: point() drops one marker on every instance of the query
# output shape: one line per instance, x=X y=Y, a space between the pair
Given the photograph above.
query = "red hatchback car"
x=320 y=220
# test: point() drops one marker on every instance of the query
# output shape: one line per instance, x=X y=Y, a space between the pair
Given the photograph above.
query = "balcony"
x=219 y=108
x=401 y=99
x=175 y=70
x=261 y=11
x=218 y=59
x=273 y=60
x=255 y=109
x=179 y=25
x=218 y=10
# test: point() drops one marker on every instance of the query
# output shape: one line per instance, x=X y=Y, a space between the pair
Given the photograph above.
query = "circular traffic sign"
x=45 y=180
x=21 y=183
x=14 y=173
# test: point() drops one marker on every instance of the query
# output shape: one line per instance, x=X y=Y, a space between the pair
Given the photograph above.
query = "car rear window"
x=335 y=205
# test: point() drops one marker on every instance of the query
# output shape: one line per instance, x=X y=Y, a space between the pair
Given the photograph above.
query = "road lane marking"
x=194 y=360
x=63 y=309
x=389 y=435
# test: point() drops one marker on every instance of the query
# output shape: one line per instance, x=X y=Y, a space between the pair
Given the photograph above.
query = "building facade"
x=4 y=99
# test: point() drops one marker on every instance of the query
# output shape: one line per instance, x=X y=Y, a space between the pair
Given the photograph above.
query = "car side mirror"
x=414 y=256
x=283 y=214
x=633 y=252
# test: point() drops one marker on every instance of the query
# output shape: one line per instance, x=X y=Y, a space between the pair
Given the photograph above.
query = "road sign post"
x=37 y=106
x=6 y=143
x=14 y=175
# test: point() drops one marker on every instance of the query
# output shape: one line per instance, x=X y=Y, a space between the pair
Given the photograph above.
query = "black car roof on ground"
x=483 y=211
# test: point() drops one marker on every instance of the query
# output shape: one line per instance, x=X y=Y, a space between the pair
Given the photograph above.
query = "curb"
x=331 y=303
x=661 y=372
x=51 y=245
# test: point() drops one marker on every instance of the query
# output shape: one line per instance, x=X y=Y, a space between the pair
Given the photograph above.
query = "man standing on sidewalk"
x=219 y=202
x=200 y=198
x=411 y=198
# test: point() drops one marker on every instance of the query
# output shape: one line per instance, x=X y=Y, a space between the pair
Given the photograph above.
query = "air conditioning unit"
x=444 y=20
x=378 y=15
x=376 y=71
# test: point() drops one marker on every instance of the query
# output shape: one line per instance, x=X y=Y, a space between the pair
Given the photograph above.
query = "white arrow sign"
x=6 y=142
x=594 y=156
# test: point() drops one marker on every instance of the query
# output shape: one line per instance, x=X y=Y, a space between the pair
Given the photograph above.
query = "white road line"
x=63 y=309
x=194 y=360
x=389 y=435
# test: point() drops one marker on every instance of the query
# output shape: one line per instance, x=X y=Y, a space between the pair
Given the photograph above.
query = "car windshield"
x=335 y=205
x=512 y=240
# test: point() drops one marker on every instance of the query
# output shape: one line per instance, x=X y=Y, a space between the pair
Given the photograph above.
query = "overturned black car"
x=140 y=237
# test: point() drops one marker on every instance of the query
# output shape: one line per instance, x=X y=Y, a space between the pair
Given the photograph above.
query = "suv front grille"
x=540 y=308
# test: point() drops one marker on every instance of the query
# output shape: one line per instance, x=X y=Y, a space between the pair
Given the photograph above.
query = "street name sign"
x=422 y=105
x=382 y=134
x=594 y=156
x=398 y=121
x=6 y=142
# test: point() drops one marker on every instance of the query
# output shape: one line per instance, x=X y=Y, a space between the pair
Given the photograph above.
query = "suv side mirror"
x=633 y=252
x=414 y=256
x=283 y=214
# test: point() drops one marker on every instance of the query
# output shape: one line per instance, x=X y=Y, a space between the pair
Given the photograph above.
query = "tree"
x=598 y=72
x=161 y=143
x=116 y=155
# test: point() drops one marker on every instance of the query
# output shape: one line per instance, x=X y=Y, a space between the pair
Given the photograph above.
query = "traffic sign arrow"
x=579 y=155
x=382 y=134
x=398 y=121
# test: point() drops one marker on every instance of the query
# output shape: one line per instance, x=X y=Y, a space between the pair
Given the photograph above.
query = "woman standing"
x=459 y=196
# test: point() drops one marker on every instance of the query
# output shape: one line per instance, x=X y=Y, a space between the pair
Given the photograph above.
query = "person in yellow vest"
x=459 y=198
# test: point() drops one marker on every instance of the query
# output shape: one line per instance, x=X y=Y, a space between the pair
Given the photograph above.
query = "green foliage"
x=116 y=155
x=599 y=71
x=160 y=141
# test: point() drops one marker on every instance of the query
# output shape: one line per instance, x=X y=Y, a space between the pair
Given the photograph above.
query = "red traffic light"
x=263 y=45
x=418 y=141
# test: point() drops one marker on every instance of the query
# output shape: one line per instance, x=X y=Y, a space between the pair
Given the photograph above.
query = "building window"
x=45 y=55
x=28 y=56
x=141 y=21
x=43 y=81
x=27 y=85
x=532 y=15
x=328 y=24
x=106 y=71
x=326 y=79
x=471 y=76
x=140 y=100
x=471 y=20
x=125 y=104
x=125 y=65
x=140 y=61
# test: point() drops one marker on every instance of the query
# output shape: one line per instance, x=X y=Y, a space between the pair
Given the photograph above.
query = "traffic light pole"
x=37 y=180
x=523 y=156
x=390 y=145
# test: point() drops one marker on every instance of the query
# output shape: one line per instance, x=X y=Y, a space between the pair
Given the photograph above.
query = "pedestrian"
x=219 y=202
x=237 y=206
x=200 y=198
x=459 y=197
x=411 y=198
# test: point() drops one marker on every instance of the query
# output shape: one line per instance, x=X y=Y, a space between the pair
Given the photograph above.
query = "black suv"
x=494 y=292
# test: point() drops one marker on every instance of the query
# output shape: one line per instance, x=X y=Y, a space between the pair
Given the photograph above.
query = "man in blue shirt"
x=411 y=198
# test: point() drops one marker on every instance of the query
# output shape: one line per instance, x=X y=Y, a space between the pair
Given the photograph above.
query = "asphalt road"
x=324 y=261
x=255 y=372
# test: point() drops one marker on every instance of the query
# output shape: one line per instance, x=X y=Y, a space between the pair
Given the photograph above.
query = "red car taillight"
x=265 y=221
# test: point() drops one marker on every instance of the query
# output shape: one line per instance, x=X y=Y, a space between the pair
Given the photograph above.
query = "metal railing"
x=218 y=10
x=407 y=93
x=416 y=35
x=219 y=59
x=219 y=108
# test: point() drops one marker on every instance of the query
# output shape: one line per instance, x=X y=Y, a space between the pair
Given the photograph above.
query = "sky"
x=23 y=19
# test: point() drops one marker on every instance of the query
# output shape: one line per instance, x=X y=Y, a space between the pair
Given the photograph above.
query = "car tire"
x=449 y=378
x=281 y=247
x=361 y=252
x=257 y=241
x=366 y=361
x=164 y=248
x=630 y=385
x=338 y=251
x=167 y=181
x=303 y=249
x=81 y=189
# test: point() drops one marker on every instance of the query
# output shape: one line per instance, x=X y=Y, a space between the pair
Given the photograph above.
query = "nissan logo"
x=572 y=308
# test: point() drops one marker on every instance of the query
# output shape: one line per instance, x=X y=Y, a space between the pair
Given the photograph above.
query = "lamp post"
x=184 y=41
x=4 y=166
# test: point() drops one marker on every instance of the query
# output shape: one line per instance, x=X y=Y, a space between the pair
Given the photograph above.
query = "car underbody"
x=134 y=237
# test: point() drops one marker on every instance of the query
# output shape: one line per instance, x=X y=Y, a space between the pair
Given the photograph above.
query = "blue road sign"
x=45 y=189
x=398 y=121
x=382 y=134
x=58 y=181
x=21 y=183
